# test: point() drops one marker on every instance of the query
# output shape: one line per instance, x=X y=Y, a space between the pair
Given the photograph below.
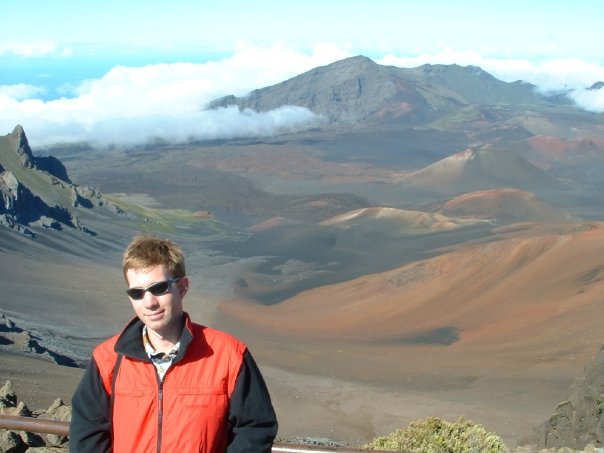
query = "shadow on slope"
x=526 y=295
x=296 y=257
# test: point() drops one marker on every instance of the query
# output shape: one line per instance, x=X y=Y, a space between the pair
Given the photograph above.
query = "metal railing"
x=34 y=425
x=61 y=428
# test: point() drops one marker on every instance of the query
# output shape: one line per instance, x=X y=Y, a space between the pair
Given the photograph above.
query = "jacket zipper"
x=160 y=411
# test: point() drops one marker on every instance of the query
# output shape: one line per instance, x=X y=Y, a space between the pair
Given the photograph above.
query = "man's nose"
x=150 y=300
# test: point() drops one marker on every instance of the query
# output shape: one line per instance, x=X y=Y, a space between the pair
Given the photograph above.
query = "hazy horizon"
x=95 y=73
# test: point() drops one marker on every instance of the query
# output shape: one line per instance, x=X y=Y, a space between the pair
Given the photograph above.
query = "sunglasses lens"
x=159 y=288
x=136 y=293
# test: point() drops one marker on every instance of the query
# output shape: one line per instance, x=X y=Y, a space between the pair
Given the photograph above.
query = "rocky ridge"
x=37 y=191
x=357 y=89
x=579 y=420
x=21 y=339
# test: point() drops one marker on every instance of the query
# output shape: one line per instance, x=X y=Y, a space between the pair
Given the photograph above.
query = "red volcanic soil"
x=510 y=292
x=271 y=223
x=203 y=214
x=288 y=161
x=506 y=205
x=410 y=222
x=569 y=151
x=493 y=331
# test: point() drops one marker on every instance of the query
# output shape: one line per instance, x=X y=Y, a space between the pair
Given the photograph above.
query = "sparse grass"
x=167 y=220
x=460 y=116
x=433 y=435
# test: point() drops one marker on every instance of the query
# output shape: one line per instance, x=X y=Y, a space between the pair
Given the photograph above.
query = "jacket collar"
x=130 y=341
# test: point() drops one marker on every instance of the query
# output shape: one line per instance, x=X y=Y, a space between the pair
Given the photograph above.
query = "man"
x=166 y=384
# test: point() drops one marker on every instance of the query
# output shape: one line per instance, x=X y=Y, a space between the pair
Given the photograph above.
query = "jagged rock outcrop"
x=18 y=202
x=48 y=164
x=579 y=421
x=37 y=191
x=18 y=140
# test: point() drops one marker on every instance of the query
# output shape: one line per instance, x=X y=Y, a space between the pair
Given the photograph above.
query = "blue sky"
x=93 y=70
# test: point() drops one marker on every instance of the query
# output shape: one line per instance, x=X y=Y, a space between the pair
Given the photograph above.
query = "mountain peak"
x=481 y=169
x=358 y=90
x=18 y=131
x=20 y=145
x=36 y=191
x=354 y=61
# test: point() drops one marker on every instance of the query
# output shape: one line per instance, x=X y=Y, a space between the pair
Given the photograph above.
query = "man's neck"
x=165 y=341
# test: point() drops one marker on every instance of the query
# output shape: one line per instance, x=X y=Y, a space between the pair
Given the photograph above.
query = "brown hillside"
x=494 y=331
x=524 y=296
x=479 y=169
x=504 y=206
x=382 y=220
x=568 y=151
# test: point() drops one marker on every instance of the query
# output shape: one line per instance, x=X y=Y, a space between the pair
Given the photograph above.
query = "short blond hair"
x=145 y=252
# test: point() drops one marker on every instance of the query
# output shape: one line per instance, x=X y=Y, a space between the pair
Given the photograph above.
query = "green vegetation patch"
x=168 y=221
x=433 y=435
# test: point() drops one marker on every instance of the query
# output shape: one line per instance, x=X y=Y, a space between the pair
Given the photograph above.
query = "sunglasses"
x=157 y=289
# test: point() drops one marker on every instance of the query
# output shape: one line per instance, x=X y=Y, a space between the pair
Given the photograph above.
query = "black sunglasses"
x=157 y=289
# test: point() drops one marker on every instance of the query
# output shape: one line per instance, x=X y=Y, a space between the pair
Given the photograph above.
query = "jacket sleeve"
x=252 y=420
x=90 y=427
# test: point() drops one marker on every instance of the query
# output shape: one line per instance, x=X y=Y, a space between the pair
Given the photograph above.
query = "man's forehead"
x=157 y=268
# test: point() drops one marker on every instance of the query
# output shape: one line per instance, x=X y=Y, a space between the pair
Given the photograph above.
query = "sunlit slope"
x=359 y=242
x=537 y=290
x=480 y=169
x=396 y=222
x=504 y=206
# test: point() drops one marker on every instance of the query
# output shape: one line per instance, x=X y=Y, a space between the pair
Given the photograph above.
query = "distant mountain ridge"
x=358 y=89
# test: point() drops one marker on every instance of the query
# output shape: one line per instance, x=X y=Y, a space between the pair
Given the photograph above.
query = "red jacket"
x=204 y=404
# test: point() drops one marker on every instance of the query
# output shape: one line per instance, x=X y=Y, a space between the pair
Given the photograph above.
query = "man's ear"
x=183 y=286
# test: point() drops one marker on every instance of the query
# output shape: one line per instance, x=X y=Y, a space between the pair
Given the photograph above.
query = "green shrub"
x=434 y=435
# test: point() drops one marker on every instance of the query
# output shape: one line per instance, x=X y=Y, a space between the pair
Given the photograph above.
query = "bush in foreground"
x=433 y=435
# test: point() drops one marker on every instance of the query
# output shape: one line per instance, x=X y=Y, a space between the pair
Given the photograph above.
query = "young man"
x=166 y=384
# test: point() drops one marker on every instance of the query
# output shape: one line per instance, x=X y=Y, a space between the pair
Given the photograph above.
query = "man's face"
x=161 y=314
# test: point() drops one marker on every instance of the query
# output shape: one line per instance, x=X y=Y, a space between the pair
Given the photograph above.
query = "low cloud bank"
x=135 y=105
x=590 y=100
x=166 y=102
x=223 y=123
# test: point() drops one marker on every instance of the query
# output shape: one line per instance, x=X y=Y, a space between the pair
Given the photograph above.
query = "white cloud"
x=21 y=91
x=33 y=49
x=223 y=123
x=166 y=101
x=591 y=100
